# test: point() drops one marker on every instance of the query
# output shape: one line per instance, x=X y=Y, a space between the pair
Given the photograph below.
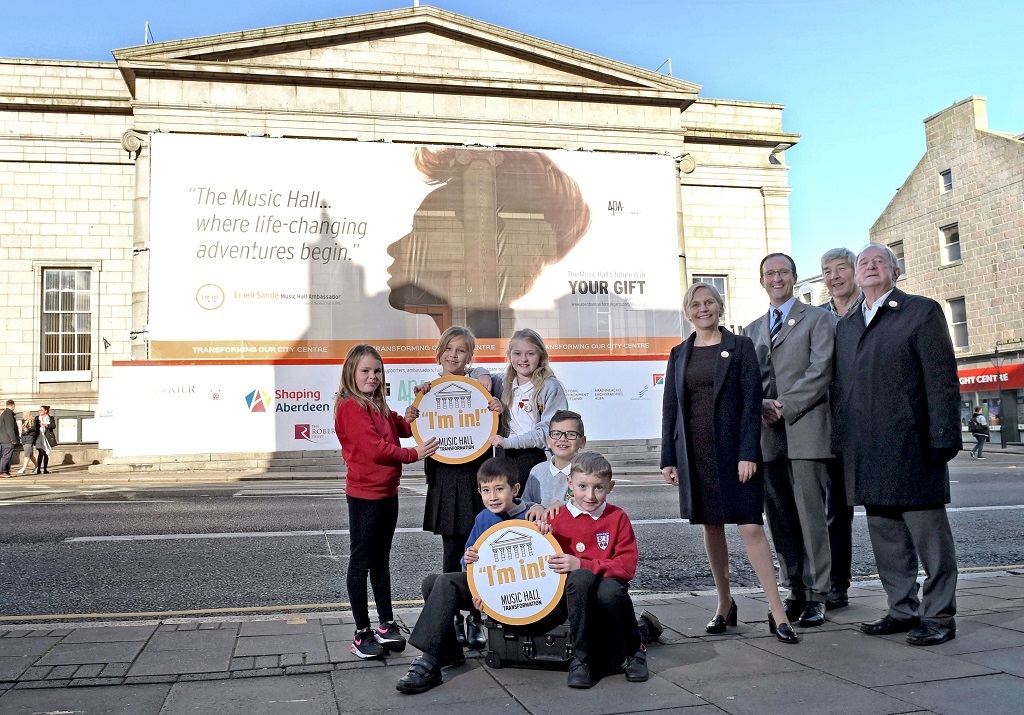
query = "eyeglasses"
x=571 y=435
x=781 y=274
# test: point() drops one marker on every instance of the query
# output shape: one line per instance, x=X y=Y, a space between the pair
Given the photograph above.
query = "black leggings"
x=42 y=460
x=371 y=525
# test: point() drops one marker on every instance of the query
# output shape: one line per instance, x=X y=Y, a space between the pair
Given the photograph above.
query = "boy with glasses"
x=548 y=484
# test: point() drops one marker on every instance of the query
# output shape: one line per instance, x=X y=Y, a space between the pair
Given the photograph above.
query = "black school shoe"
x=579 y=675
x=421 y=677
x=636 y=667
x=649 y=626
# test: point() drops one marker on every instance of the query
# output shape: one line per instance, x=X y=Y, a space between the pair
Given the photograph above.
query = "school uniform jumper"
x=374 y=457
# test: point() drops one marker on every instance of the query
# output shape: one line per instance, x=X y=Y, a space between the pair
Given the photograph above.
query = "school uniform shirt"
x=487 y=518
x=548 y=484
x=604 y=542
x=371 y=450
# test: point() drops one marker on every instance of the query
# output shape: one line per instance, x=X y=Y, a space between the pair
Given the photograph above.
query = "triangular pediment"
x=420 y=45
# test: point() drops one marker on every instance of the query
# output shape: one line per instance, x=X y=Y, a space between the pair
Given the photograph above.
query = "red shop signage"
x=1008 y=377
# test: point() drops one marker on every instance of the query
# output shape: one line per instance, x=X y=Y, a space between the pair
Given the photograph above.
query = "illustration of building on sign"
x=454 y=397
x=511 y=546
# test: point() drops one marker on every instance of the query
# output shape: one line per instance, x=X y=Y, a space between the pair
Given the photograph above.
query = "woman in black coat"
x=710 y=447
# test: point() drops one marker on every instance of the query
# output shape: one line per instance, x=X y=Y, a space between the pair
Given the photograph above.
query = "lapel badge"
x=791 y=322
x=580 y=546
x=893 y=304
x=725 y=353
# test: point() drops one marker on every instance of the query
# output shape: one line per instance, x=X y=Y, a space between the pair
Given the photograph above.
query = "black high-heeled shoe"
x=718 y=623
x=784 y=632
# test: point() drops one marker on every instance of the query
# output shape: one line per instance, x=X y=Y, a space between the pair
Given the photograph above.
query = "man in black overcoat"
x=897 y=424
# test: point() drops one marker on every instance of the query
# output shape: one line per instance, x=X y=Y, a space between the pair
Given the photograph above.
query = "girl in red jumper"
x=369 y=432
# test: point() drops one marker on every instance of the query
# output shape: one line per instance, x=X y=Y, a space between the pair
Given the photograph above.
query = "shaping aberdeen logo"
x=259 y=401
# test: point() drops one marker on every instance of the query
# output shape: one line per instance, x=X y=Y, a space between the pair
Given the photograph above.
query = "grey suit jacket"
x=802 y=360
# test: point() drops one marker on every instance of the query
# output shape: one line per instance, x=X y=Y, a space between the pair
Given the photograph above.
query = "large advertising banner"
x=270 y=258
x=261 y=406
x=266 y=248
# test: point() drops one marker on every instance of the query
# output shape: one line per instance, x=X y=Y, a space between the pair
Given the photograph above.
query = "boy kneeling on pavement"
x=600 y=559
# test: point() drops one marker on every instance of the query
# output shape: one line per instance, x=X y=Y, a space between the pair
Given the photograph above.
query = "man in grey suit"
x=897 y=425
x=794 y=344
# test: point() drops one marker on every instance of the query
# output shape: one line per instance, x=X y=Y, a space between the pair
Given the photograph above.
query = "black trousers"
x=444 y=595
x=524 y=460
x=371 y=525
x=840 y=527
x=601 y=620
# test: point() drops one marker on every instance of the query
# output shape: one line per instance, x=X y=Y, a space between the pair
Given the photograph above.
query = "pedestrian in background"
x=979 y=428
x=29 y=434
x=8 y=438
x=45 y=439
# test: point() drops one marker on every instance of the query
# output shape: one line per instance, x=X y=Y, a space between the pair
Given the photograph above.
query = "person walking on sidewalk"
x=45 y=439
x=29 y=435
x=979 y=428
x=897 y=425
x=8 y=438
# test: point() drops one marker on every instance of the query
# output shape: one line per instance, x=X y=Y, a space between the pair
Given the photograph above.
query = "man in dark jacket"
x=9 y=437
x=897 y=424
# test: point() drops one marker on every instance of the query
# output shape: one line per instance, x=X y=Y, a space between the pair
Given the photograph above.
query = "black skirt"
x=452 y=498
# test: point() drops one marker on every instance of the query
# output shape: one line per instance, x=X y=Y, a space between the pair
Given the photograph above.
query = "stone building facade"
x=957 y=224
x=75 y=174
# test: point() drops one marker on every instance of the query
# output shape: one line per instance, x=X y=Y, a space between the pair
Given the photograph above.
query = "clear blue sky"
x=856 y=77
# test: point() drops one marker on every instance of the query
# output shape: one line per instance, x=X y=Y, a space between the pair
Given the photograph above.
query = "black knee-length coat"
x=896 y=416
x=736 y=423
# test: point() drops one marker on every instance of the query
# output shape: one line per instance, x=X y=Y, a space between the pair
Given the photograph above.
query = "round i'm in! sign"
x=512 y=577
x=455 y=411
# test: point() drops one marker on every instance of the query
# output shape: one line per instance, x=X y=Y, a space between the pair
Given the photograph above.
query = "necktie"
x=776 y=324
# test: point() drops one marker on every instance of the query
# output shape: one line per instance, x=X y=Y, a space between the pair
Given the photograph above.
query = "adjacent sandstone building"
x=957 y=226
x=75 y=171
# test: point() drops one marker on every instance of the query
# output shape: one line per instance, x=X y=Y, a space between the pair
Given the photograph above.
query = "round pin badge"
x=893 y=304
x=580 y=546
x=790 y=322
x=725 y=353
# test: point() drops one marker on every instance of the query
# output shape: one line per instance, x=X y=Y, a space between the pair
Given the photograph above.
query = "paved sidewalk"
x=299 y=666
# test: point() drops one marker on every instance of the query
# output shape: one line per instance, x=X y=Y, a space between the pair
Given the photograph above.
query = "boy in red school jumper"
x=600 y=560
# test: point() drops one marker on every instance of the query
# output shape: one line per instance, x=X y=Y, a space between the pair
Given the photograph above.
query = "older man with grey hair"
x=837 y=270
x=897 y=425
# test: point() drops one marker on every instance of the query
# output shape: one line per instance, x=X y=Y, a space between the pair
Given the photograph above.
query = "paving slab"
x=179 y=652
x=468 y=689
x=544 y=692
x=871 y=661
x=805 y=691
x=688 y=664
x=110 y=634
x=1013 y=620
x=313 y=644
x=999 y=694
x=12 y=667
x=974 y=636
x=84 y=653
x=102 y=700
x=292 y=695
x=1008 y=660
x=26 y=647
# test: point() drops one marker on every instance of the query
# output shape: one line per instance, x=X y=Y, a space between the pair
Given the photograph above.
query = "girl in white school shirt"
x=531 y=395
